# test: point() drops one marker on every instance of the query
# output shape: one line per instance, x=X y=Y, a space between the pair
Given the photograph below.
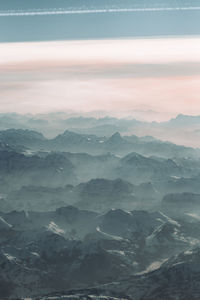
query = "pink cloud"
x=118 y=76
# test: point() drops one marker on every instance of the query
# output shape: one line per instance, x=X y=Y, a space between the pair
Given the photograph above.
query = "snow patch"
x=153 y=266
x=195 y=216
x=129 y=212
x=168 y=219
x=175 y=177
x=111 y=236
x=160 y=220
x=5 y=223
x=10 y=257
x=116 y=252
x=35 y=254
x=27 y=214
x=188 y=252
x=54 y=228
x=178 y=263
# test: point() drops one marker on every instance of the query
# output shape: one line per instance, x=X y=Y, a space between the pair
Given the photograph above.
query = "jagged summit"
x=116 y=137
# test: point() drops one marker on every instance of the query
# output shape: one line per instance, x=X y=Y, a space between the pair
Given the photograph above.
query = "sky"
x=129 y=60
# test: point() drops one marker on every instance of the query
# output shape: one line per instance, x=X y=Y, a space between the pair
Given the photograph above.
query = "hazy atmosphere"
x=100 y=150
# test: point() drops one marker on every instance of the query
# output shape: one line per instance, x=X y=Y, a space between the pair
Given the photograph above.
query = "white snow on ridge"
x=10 y=257
x=175 y=177
x=195 y=216
x=5 y=223
x=118 y=252
x=54 y=228
x=35 y=254
x=160 y=220
x=188 y=252
x=153 y=266
x=111 y=236
x=168 y=219
x=78 y=297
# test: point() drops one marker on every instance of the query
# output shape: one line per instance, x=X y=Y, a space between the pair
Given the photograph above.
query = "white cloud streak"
x=22 y=13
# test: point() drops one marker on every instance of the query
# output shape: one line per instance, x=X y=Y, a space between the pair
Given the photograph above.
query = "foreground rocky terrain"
x=116 y=252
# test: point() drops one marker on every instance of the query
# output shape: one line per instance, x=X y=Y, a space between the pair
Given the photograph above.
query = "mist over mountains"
x=89 y=215
x=183 y=129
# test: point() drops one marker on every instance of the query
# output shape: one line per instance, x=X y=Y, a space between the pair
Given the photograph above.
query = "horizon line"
x=84 y=115
x=119 y=38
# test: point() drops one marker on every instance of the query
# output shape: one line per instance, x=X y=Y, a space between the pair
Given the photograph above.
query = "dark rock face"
x=19 y=137
x=100 y=194
x=19 y=170
x=76 y=249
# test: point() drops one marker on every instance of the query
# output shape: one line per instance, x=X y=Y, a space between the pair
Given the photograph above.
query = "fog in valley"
x=91 y=210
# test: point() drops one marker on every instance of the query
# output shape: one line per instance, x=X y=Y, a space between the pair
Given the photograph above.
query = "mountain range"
x=185 y=128
x=88 y=216
x=71 y=248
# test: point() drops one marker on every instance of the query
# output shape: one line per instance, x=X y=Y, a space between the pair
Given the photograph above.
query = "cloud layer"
x=119 y=76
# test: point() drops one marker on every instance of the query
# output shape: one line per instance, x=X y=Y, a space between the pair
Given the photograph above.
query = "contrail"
x=19 y=13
